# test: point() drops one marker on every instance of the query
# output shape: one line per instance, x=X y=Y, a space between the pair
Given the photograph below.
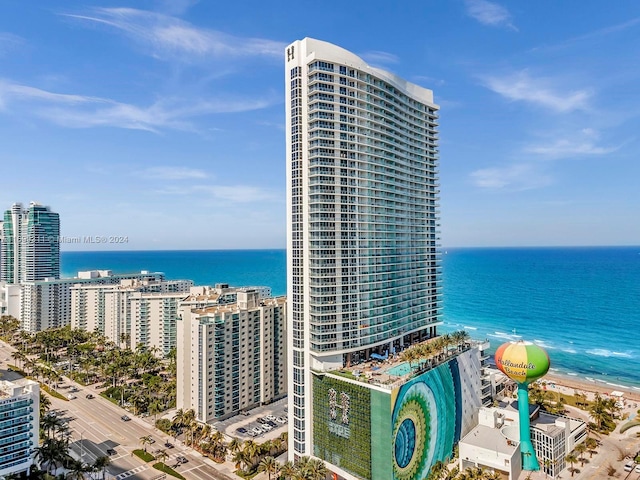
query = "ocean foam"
x=467 y=327
x=603 y=352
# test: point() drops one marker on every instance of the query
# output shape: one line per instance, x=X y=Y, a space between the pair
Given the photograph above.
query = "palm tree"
x=162 y=455
x=45 y=404
x=76 y=470
x=571 y=458
x=53 y=453
x=602 y=411
x=235 y=445
x=288 y=470
x=318 y=469
x=269 y=465
x=101 y=464
x=240 y=459
x=591 y=444
x=437 y=471
x=250 y=449
x=144 y=441
x=580 y=449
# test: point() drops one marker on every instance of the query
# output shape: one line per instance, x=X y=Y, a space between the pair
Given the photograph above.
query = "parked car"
x=125 y=418
x=261 y=420
x=270 y=417
x=266 y=427
x=637 y=468
x=628 y=467
x=241 y=430
x=281 y=420
x=90 y=396
x=111 y=451
x=273 y=424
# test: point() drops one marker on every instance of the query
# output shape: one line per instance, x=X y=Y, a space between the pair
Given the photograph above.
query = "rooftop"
x=490 y=439
x=390 y=371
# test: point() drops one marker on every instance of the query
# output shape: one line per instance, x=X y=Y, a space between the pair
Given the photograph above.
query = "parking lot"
x=266 y=422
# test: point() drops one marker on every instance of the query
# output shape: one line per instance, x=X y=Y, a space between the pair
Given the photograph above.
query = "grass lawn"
x=142 y=455
x=168 y=470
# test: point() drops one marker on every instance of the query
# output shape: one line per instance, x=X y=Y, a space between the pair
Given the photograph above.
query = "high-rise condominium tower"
x=362 y=231
x=30 y=248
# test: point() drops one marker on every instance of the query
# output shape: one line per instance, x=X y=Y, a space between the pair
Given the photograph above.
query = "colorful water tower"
x=523 y=362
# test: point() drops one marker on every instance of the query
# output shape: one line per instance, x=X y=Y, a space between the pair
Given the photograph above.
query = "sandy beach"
x=569 y=385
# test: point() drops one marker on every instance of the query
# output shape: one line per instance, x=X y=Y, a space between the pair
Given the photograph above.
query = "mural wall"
x=398 y=433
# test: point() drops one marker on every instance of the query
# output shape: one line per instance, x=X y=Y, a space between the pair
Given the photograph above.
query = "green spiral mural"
x=423 y=420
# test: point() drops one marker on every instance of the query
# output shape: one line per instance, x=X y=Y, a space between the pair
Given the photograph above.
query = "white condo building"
x=131 y=312
x=363 y=265
x=47 y=303
x=231 y=352
x=19 y=425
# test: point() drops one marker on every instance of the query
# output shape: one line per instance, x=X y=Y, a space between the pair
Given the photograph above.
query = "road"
x=97 y=426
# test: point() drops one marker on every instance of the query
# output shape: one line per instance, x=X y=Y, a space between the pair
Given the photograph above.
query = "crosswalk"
x=133 y=471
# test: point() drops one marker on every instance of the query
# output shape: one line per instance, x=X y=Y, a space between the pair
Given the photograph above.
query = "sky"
x=160 y=124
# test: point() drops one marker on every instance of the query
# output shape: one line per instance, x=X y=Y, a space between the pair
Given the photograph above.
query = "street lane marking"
x=133 y=471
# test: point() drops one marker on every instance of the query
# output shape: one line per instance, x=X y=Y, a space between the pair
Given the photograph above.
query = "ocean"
x=581 y=304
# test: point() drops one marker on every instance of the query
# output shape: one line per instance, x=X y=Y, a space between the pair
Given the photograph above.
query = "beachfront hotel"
x=364 y=274
x=29 y=244
x=231 y=351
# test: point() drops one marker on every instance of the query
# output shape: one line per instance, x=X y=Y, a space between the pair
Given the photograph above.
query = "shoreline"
x=590 y=388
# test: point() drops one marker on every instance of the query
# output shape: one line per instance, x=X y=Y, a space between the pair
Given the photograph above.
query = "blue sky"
x=163 y=121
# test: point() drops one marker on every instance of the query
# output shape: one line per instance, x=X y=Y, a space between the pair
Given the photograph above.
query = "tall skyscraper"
x=30 y=247
x=364 y=274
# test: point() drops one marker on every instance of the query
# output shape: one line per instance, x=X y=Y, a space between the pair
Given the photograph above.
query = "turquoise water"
x=399 y=370
x=581 y=304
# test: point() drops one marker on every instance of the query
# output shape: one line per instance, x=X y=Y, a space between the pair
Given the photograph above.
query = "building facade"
x=363 y=265
x=230 y=356
x=132 y=312
x=30 y=246
x=47 y=303
x=19 y=425
x=495 y=442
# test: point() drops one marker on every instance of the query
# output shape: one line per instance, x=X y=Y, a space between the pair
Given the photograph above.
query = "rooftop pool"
x=399 y=370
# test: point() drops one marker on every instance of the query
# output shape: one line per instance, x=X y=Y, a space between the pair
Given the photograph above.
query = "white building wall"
x=363 y=268
x=19 y=410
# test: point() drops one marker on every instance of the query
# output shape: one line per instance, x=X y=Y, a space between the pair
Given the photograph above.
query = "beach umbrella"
x=523 y=362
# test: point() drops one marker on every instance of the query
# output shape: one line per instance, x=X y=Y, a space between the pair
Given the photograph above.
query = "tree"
x=591 y=444
x=76 y=469
x=240 y=459
x=287 y=470
x=235 y=445
x=602 y=411
x=270 y=465
x=144 y=441
x=571 y=459
x=162 y=455
x=580 y=449
x=101 y=464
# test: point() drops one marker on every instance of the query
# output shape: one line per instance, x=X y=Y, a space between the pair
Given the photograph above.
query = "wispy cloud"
x=228 y=193
x=489 y=13
x=594 y=35
x=582 y=144
x=514 y=177
x=176 y=7
x=172 y=173
x=80 y=111
x=377 y=57
x=520 y=86
x=429 y=81
x=8 y=42
x=170 y=37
